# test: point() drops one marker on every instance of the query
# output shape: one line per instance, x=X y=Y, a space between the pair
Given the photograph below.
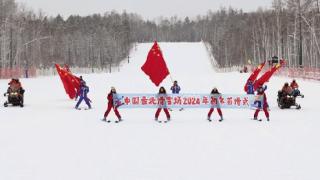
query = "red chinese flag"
x=75 y=82
x=155 y=66
x=62 y=75
x=70 y=82
x=266 y=76
x=254 y=75
x=72 y=89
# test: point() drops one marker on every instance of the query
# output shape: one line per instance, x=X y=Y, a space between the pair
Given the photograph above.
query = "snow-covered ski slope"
x=49 y=140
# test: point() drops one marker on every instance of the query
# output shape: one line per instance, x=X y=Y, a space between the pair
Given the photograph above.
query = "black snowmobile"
x=15 y=97
x=285 y=101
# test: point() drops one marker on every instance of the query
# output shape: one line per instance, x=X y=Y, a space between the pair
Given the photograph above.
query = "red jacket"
x=294 y=85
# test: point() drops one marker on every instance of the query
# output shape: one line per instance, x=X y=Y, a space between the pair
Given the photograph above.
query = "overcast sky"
x=146 y=8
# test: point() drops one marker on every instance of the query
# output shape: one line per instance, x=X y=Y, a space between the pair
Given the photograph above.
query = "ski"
x=110 y=121
x=211 y=120
x=165 y=121
x=83 y=109
x=158 y=121
x=256 y=119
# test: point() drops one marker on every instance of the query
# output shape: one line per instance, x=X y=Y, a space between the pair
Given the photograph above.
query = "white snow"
x=49 y=140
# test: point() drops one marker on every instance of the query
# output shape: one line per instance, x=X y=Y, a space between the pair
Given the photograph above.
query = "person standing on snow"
x=112 y=103
x=263 y=105
x=214 y=94
x=83 y=94
x=162 y=104
x=175 y=88
x=81 y=80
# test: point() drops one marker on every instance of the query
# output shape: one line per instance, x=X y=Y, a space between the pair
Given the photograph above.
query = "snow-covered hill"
x=50 y=140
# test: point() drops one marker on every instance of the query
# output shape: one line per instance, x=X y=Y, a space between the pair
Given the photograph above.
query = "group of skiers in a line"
x=113 y=102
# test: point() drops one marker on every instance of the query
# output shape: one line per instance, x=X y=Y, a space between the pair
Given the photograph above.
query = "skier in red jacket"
x=214 y=94
x=112 y=103
x=163 y=105
x=263 y=103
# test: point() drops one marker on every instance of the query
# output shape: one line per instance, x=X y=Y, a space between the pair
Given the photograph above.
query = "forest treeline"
x=290 y=30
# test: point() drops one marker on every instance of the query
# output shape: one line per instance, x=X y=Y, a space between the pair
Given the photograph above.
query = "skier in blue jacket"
x=175 y=88
x=82 y=93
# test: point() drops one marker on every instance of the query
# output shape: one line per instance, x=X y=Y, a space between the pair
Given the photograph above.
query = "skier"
x=83 y=93
x=250 y=87
x=112 y=103
x=175 y=88
x=263 y=103
x=81 y=80
x=214 y=94
x=162 y=104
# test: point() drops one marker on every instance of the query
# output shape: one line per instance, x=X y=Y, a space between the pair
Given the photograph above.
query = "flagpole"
x=171 y=78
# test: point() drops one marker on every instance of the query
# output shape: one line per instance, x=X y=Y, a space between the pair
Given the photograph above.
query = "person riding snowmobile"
x=295 y=89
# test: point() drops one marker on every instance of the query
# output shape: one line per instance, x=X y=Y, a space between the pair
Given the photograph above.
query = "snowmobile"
x=285 y=101
x=15 y=98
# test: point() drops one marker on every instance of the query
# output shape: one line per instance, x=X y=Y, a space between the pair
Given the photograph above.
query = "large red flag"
x=155 y=66
x=62 y=75
x=254 y=75
x=70 y=82
x=266 y=76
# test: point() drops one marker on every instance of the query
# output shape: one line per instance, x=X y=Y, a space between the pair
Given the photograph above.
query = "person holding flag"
x=263 y=104
x=214 y=95
x=175 y=89
x=83 y=94
x=113 y=103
